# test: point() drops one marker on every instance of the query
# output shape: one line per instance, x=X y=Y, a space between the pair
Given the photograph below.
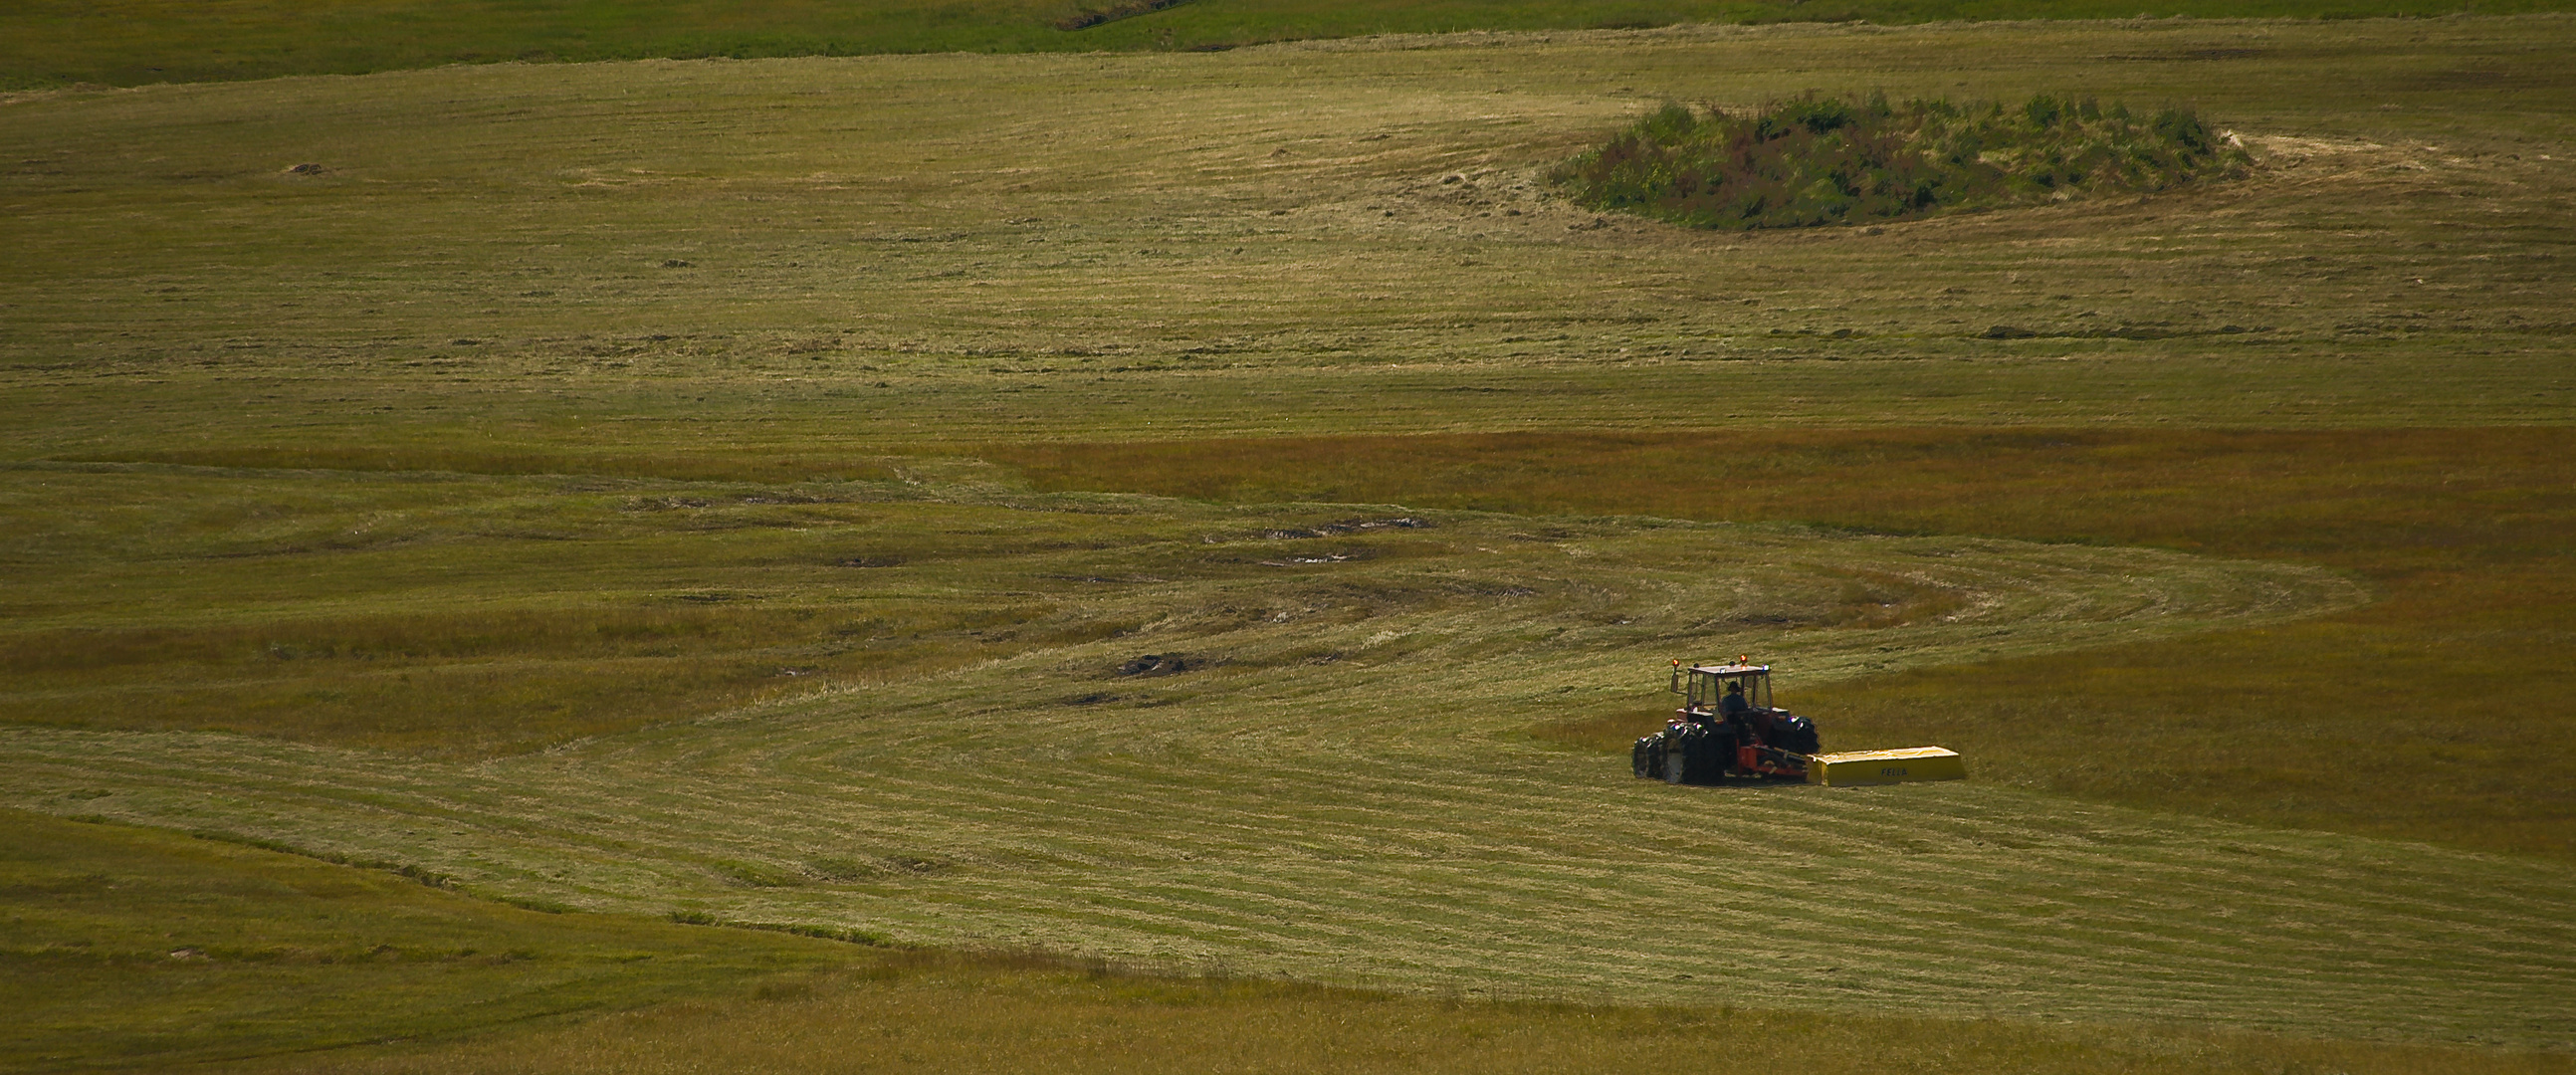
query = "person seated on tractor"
x=1733 y=706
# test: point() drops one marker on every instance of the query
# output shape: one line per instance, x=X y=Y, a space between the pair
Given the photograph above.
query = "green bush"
x=1831 y=160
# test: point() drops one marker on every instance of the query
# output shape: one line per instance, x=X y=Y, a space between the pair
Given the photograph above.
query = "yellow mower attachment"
x=1885 y=767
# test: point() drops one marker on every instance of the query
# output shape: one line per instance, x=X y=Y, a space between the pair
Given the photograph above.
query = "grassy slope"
x=863 y=268
x=139 y=42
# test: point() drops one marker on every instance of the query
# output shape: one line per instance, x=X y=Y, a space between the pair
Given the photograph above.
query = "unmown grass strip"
x=2303 y=724
x=57 y=43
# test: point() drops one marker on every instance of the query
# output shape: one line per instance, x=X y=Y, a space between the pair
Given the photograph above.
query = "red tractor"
x=1726 y=729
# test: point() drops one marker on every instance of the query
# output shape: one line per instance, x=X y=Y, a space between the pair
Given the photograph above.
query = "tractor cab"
x=1726 y=728
x=1705 y=689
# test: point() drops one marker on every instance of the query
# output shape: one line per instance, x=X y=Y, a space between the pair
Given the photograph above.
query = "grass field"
x=747 y=493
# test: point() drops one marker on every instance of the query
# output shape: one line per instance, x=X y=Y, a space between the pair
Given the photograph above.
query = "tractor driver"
x=1733 y=706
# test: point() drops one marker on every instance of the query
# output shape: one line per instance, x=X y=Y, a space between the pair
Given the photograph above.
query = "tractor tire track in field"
x=1381 y=817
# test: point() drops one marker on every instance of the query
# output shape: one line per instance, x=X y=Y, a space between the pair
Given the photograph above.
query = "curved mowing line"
x=1378 y=820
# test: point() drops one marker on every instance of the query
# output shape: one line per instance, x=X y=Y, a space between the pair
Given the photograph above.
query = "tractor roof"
x=1732 y=669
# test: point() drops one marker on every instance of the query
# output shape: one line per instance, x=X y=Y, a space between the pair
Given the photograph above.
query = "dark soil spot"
x=1088 y=17
x=1159 y=664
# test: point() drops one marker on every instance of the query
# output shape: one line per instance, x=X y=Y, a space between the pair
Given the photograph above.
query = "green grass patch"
x=47 y=43
x=1831 y=160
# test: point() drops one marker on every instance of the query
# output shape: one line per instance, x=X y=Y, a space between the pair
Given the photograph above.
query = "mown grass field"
x=124 y=944
x=725 y=491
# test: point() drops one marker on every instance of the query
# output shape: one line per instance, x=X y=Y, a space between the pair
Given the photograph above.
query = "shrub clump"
x=1833 y=160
